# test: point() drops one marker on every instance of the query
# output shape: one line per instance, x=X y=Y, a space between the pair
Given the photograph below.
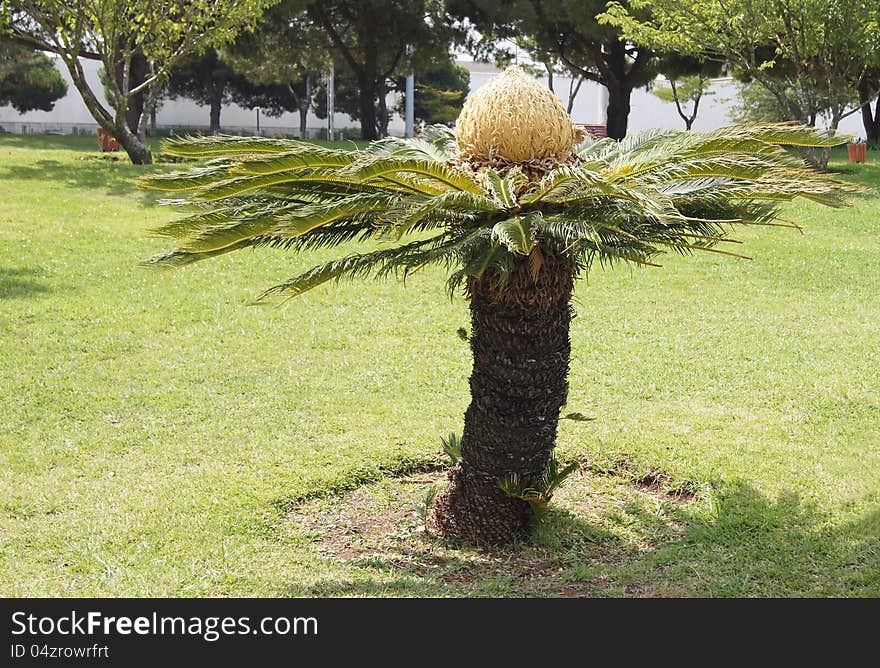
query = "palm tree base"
x=520 y=346
x=475 y=510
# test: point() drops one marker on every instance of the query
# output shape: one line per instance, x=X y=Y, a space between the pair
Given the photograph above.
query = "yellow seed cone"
x=515 y=118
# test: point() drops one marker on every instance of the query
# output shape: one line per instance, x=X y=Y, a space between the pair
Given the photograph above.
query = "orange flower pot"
x=857 y=152
x=107 y=141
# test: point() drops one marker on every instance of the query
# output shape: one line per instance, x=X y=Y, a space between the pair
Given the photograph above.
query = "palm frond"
x=305 y=155
x=226 y=145
x=539 y=492
x=517 y=234
x=437 y=142
x=382 y=166
x=627 y=201
x=451 y=447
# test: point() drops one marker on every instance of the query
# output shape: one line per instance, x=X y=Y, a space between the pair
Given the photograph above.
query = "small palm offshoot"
x=513 y=233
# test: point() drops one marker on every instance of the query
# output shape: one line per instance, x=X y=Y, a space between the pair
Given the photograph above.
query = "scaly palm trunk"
x=521 y=352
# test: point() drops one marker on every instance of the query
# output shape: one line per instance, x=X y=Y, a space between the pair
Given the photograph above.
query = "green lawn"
x=159 y=437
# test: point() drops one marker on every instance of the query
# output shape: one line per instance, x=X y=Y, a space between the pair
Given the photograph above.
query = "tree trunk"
x=304 y=105
x=521 y=351
x=216 y=107
x=137 y=75
x=870 y=120
x=383 y=116
x=367 y=108
x=618 y=109
x=137 y=149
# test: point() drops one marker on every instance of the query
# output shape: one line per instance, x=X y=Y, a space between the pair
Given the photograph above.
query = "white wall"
x=647 y=110
x=72 y=110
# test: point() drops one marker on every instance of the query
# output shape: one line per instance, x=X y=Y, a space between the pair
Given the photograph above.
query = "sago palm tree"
x=516 y=205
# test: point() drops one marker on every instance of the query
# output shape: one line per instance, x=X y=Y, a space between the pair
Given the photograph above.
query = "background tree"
x=370 y=38
x=547 y=63
x=346 y=99
x=212 y=81
x=568 y=29
x=754 y=103
x=689 y=89
x=439 y=93
x=285 y=50
x=802 y=52
x=523 y=213
x=869 y=92
x=126 y=36
x=205 y=79
x=28 y=80
x=689 y=81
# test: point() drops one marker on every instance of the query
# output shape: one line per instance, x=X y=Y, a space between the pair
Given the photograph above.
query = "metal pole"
x=410 y=104
x=331 y=94
x=410 y=108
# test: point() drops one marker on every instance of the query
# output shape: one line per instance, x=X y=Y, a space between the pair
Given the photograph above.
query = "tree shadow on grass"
x=735 y=543
x=103 y=177
x=752 y=545
x=50 y=142
x=80 y=143
x=21 y=283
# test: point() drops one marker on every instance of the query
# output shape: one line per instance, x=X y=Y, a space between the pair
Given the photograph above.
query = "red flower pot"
x=107 y=141
x=857 y=152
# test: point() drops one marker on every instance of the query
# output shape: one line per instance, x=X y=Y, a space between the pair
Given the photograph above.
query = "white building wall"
x=647 y=110
x=71 y=110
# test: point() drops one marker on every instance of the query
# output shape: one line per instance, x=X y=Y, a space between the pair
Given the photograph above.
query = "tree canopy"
x=806 y=53
x=28 y=79
x=568 y=30
x=124 y=36
x=439 y=93
x=375 y=41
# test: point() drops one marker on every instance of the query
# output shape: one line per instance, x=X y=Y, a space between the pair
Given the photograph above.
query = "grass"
x=160 y=437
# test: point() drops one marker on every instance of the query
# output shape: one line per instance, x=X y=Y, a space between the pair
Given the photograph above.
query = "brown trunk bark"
x=216 y=107
x=870 y=120
x=521 y=352
x=367 y=108
x=303 y=106
x=138 y=74
x=137 y=150
x=618 y=109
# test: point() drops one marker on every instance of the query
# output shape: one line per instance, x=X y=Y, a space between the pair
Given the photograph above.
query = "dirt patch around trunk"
x=597 y=524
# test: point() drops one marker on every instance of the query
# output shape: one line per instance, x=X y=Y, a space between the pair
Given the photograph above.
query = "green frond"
x=504 y=188
x=449 y=248
x=226 y=145
x=216 y=236
x=782 y=134
x=494 y=256
x=538 y=493
x=180 y=258
x=192 y=179
x=436 y=142
x=415 y=148
x=591 y=147
x=442 y=137
x=628 y=201
x=304 y=219
x=452 y=447
x=517 y=234
x=443 y=208
x=305 y=155
x=381 y=166
x=351 y=267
